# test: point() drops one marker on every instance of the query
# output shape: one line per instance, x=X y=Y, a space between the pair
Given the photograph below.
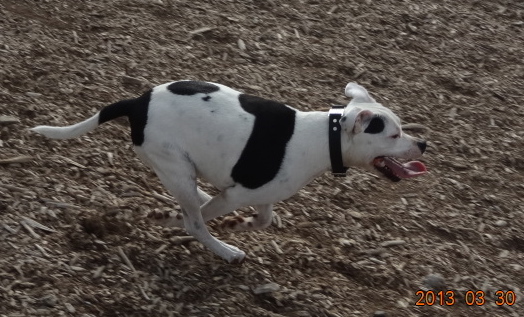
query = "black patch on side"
x=262 y=157
x=376 y=125
x=189 y=88
x=135 y=109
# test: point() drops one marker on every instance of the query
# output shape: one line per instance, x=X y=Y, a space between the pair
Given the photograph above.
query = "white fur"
x=186 y=138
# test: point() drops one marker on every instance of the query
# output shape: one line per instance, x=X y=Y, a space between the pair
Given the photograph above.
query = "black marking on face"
x=265 y=149
x=135 y=109
x=206 y=98
x=189 y=88
x=376 y=125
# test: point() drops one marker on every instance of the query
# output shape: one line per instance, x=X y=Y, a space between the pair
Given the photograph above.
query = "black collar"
x=335 y=148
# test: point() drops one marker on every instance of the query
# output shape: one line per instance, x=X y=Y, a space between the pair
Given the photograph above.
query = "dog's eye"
x=396 y=136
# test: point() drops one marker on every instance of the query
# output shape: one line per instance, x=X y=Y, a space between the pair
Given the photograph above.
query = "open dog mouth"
x=395 y=171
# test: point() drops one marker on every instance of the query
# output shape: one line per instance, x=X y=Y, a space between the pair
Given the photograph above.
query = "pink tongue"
x=406 y=170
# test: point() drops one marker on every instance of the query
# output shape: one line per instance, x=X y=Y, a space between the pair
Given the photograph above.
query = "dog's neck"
x=312 y=154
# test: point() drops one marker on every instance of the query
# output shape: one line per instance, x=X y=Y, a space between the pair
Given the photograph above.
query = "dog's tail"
x=71 y=131
x=134 y=109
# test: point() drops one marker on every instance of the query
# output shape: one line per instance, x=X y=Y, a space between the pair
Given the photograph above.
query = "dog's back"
x=225 y=133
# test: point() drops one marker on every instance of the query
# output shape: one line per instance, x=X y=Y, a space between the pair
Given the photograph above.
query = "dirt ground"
x=74 y=240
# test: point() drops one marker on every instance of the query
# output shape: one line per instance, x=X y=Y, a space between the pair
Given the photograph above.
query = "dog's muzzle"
x=395 y=171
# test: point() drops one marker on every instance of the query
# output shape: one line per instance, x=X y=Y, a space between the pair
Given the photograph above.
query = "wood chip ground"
x=74 y=240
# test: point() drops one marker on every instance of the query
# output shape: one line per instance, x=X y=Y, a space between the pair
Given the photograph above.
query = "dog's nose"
x=422 y=146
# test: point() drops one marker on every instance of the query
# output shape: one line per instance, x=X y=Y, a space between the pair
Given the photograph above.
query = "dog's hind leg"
x=180 y=180
x=261 y=220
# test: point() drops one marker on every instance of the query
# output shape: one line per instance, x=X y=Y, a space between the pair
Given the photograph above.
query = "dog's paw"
x=166 y=219
x=158 y=215
x=236 y=223
x=230 y=253
x=238 y=260
x=237 y=257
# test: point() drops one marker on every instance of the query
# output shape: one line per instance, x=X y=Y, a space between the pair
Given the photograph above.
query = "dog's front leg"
x=220 y=205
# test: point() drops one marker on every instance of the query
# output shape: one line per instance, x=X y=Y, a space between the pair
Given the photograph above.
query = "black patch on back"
x=138 y=118
x=262 y=157
x=135 y=109
x=189 y=88
x=376 y=125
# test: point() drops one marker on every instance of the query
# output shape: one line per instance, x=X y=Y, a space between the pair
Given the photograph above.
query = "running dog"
x=255 y=151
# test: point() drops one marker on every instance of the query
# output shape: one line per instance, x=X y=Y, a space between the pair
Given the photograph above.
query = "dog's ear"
x=355 y=120
x=358 y=94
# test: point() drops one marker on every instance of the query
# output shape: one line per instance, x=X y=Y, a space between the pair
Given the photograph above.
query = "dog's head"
x=375 y=140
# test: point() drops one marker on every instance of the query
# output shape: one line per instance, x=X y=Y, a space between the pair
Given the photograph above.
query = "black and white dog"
x=255 y=151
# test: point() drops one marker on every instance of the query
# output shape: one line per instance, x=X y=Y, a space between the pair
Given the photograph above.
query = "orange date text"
x=470 y=298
